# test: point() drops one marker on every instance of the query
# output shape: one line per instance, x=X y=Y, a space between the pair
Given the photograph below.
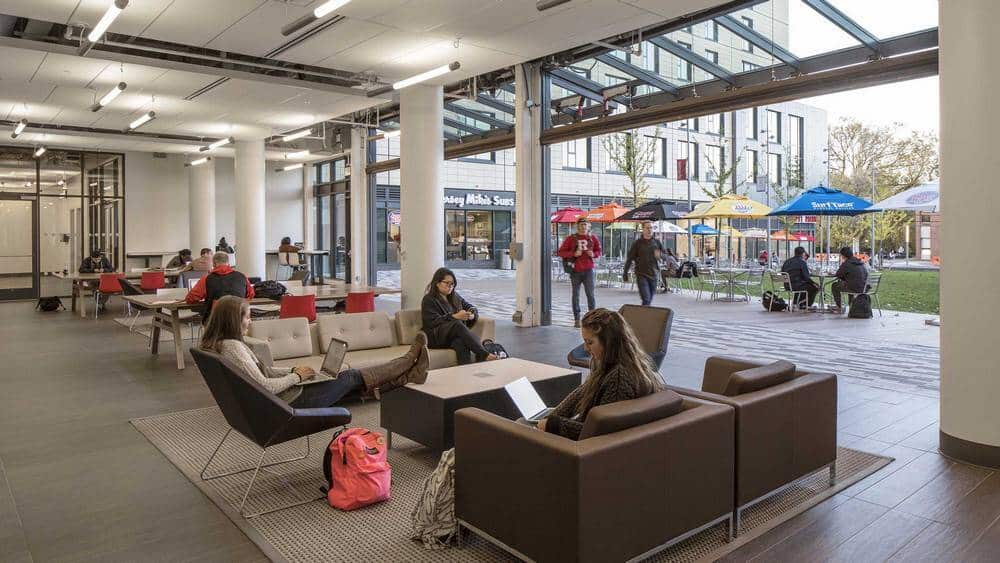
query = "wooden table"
x=166 y=313
x=82 y=281
x=425 y=412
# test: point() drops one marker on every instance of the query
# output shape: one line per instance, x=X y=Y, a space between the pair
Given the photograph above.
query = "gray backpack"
x=434 y=522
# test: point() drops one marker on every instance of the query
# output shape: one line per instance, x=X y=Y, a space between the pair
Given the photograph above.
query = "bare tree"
x=633 y=154
x=722 y=183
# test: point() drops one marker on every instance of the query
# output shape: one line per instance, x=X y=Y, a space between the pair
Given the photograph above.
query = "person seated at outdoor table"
x=287 y=246
x=645 y=252
x=224 y=246
x=671 y=268
x=446 y=318
x=799 y=277
x=762 y=258
x=619 y=371
x=709 y=258
x=852 y=277
x=96 y=263
x=182 y=260
x=221 y=281
x=224 y=335
x=203 y=263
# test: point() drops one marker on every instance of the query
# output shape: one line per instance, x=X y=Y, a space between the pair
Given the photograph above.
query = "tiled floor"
x=78 y=483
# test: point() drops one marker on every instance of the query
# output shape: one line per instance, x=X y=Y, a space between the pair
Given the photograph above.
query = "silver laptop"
x=527 y=400
x=332 y=363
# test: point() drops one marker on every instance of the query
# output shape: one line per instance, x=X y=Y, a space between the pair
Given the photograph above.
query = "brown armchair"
x=786 y=422
x=646 y=473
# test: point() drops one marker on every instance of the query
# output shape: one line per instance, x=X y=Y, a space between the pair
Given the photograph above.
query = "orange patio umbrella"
x=606 y=213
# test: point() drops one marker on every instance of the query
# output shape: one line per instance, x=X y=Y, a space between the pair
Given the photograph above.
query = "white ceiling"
x=392 y=38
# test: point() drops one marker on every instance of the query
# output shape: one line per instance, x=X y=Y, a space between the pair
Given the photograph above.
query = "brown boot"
x=399 y=371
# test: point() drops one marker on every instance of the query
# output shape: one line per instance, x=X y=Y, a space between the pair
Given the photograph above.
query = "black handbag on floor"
x=495 y=348
x=49 y=304
x=772 y=302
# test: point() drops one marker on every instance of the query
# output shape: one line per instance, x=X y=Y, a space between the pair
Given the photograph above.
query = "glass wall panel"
x=60 y=242
x=16 y=253
x=479 y=235
x=60 y=173
x=454 y=235
x=339 y=243
x=17 y=171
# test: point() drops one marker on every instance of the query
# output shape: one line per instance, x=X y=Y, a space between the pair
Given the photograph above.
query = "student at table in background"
x=852 y=277
x=580 y=250
x=222 y=280
x=182 y=260
x=96 y=263
x=287 y=246
x=645 y=252
x=223 y=246
x=203 y=263
x=799 y=277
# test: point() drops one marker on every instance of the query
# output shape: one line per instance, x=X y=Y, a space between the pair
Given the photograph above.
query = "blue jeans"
x=586 y=278
x=328 y=393
x=647 y=288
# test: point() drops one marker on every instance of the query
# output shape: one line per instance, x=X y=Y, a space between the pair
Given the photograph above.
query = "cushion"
x=361 y=331
x=287 y=338
x=410 y=323
x=622 y=415
x=762 y=377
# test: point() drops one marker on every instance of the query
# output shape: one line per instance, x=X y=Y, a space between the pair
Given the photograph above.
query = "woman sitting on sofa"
x=619 y=371
x=446 y=319
x=229 y=323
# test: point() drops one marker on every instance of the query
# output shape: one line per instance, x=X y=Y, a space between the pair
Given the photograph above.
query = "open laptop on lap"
x=527 y=400
x=332 y=363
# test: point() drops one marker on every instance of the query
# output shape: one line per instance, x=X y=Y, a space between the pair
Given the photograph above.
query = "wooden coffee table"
x=426 y=413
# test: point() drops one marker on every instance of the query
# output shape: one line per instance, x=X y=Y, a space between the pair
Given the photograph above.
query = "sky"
x=914 y=103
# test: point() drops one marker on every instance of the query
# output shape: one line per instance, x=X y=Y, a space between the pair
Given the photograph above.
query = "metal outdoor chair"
x=713 y=282
x=685 y=277
x=874 y=281
x=261 y=417
x=781 y=284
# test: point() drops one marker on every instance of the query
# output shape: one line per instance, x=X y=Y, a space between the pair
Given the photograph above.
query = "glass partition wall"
x=66 y=203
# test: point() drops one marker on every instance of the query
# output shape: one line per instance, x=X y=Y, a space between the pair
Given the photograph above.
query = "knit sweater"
x=567 y=418
x=280 y=381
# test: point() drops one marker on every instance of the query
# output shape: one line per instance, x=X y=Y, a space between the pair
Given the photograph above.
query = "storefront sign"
x=393 y=217
x=479 y=199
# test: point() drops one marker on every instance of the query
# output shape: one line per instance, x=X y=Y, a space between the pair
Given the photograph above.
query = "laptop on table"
x=332 y=362
x=527 y=400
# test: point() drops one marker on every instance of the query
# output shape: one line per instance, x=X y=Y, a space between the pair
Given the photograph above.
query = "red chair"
x=108 y=285
x=361 y=302
x=298 y=306
x=151 y=281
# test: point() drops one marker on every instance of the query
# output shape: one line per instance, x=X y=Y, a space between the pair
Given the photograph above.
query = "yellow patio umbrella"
x=729 y=230
x=729 y=206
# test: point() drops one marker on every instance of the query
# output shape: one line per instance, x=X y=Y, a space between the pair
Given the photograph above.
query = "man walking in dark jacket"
x=799 y=277
x=645 y=252
x=852 y=276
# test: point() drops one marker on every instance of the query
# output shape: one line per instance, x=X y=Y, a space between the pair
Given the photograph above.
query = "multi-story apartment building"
x=772 y=147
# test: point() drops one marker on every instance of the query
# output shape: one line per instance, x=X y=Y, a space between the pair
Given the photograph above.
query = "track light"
x=433 y=73
x=295 y=166
x=543 y=5
x=19 y=128
x=39 y=151
x=323 y=10
x=114 y=9
x=217 y=144
x=297 y=135
x=109 y=97
x=297 y=154
x=201 y=160
x=142 y=120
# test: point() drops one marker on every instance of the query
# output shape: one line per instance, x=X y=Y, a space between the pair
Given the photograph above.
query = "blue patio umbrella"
x=704 y=230
x=824 y=201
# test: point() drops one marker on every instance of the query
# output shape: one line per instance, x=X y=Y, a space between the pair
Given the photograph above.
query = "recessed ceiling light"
x=432 y=73
x=114 y=9
x=296 y=135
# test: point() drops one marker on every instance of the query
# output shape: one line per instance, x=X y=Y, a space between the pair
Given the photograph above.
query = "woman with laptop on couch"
x=229 y=323
x=446 y=318
x=619 y=371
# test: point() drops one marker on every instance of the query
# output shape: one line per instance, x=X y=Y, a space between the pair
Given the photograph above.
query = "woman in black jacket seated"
x=446 y=319
x=619 y=371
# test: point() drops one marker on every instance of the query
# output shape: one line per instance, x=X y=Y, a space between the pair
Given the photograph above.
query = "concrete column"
x=250 y=174
x=528 y=194
x=201 y=198
x=421 y=160
x=970 y=376
x=359 y=207
x=308 y=208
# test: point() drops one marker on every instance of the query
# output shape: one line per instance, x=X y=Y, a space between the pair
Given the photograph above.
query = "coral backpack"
x=356 y=469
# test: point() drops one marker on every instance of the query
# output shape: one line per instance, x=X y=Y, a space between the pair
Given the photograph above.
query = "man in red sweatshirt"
x=222 y=280
x=582 y=249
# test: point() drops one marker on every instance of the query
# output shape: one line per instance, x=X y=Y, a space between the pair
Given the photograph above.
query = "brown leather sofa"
x=646 y=473
x=786 y=422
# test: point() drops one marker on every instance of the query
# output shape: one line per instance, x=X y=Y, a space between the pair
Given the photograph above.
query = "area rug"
x=317 y=532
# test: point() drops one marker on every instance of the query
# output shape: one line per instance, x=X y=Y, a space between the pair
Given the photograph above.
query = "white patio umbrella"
x=925 y=197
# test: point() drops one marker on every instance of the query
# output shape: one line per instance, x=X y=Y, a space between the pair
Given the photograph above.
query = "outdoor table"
x=730 y=275
x=166 y=312
x=82 y=281
x=823 y=276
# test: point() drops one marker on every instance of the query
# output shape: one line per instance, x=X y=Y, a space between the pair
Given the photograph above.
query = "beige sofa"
x=372 y=338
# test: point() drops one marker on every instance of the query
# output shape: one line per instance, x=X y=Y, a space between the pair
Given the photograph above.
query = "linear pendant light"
x=114 y=9
x=39 y=151
x=391 y=134
x=433 y=73
x=295 y=166
x=217 y=144
x=297 y=135
x=321 y=11
x=109 y=97
x=201 y=160
x=142 y=120
x=19 y=128
x=297 y=154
